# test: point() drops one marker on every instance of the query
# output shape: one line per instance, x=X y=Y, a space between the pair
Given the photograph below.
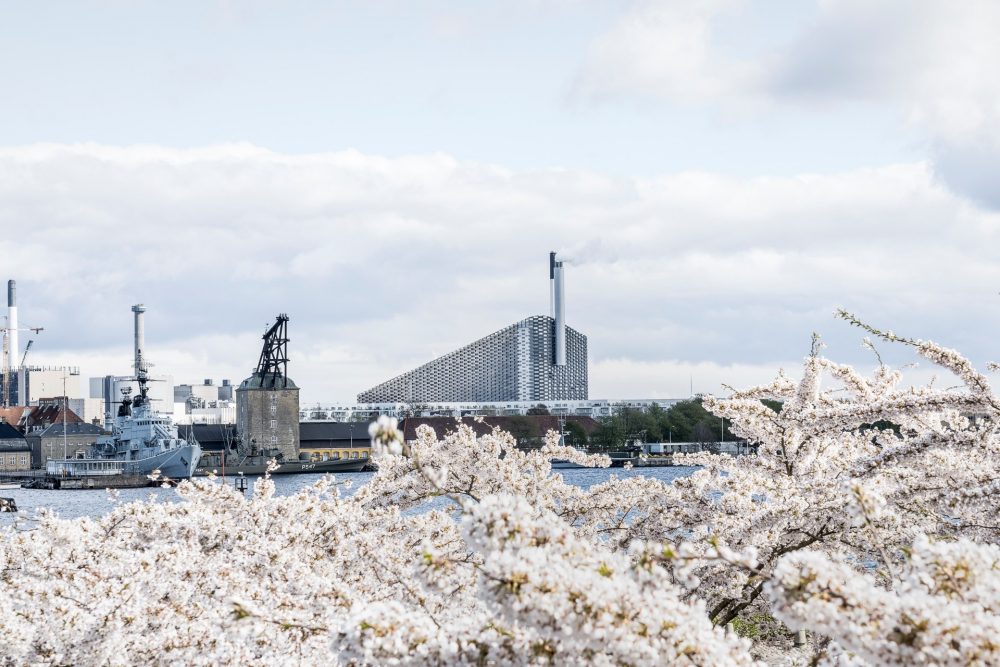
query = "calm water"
x=95 y=503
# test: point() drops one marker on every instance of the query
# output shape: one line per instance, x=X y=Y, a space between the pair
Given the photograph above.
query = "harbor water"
x=71 y=504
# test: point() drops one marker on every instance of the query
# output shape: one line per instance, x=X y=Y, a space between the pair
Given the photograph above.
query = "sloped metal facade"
x=513 y=364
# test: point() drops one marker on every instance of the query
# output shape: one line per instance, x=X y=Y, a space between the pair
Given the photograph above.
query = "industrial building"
x=29 y=384
x=22 y=384
x=204 y=394
x=539 y=358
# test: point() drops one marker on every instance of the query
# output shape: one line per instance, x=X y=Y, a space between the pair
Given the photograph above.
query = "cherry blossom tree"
x=867 y=516
x=943 y=609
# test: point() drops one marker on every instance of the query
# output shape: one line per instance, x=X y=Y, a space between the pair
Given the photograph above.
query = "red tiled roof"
x=51 y=413
x=14 y=415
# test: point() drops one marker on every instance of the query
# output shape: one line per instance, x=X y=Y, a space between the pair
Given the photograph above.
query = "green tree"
x=609 y=435
x=576 y=436
x=679 y=422
x=774 y=405
x=523 y=429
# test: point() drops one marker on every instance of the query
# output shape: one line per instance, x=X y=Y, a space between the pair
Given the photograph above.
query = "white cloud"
x=382 y=263
x=663 y=48
x=934 y=62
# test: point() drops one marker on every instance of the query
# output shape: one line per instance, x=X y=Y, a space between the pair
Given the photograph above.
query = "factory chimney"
x=556 y=290
x=12 y=350
x=140 y=338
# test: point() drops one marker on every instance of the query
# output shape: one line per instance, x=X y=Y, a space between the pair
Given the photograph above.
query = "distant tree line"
x=686 y=421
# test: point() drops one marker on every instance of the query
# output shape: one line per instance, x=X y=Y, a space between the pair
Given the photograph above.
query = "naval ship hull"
x=175 y=463
x=259 y=467
x=178 y=463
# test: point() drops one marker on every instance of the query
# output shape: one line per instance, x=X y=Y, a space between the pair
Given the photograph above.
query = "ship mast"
x=140 y=344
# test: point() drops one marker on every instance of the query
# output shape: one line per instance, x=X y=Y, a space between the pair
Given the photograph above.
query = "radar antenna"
x=274 y=354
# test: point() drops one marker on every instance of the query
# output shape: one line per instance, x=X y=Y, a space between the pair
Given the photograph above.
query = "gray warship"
x=141 y=441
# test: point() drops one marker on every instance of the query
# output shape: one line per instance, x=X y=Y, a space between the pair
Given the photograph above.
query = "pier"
x=42 y=479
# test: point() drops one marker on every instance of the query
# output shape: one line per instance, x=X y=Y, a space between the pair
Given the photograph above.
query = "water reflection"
x=96 y=502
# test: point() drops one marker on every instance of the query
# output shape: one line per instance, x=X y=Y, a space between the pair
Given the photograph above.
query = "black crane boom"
x=273 y=361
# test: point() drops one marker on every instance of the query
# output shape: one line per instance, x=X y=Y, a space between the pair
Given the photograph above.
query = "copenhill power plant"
x=539 y=358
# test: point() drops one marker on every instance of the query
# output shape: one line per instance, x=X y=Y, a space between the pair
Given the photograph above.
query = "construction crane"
x=6 y=360
x=24 y=357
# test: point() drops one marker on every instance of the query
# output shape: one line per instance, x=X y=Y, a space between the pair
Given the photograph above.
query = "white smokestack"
x=552 y=285
x=12 y=358
x=140 y=337
x=558 y=309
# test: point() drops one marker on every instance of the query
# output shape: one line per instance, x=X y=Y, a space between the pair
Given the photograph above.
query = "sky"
x=719 y=175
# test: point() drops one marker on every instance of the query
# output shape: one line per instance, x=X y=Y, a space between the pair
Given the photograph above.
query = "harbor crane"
x=6 y=361
x=24 y=357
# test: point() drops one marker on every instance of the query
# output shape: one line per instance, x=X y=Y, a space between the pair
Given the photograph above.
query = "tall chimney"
x=558 y=310
x=552 y=283
x=12 y=356
x=140 y=337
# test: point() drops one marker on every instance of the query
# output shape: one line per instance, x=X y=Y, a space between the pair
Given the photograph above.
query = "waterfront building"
x=15 y=454
x=364 y=412
x=49 y=443
x=539 y=358
x=325 y=441
x=319 y=441
x=267 y=402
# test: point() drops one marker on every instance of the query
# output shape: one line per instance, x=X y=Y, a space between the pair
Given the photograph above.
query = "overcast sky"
x=721 y=174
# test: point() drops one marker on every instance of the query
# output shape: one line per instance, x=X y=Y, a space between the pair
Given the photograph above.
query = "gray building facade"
x=267 y=402
x=50 y=444
x=267 y=415
x=517 y=363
